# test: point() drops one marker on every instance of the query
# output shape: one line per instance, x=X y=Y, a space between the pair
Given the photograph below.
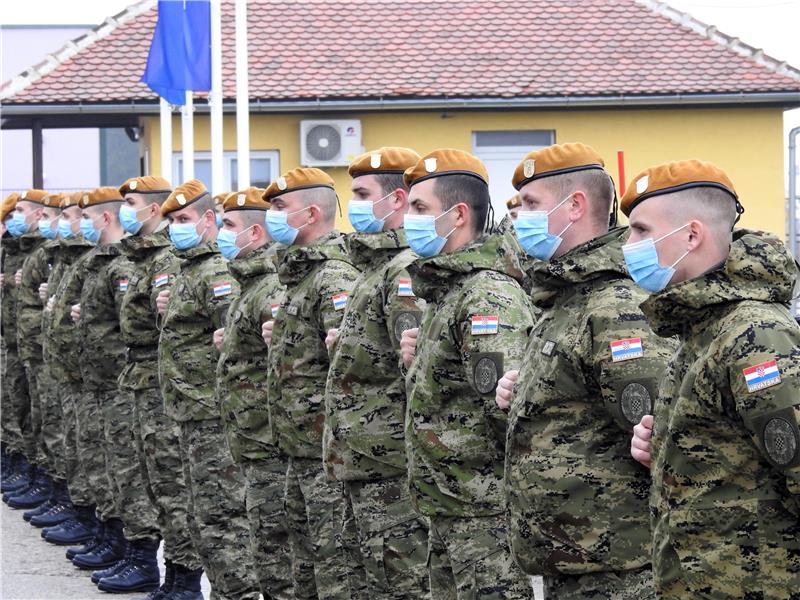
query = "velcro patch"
x=160 y=280
x=123 y=285
x=764 y=375
x=404 y=288
x=486 y=371
x=629 y=349
x=221 y=288
x=484 y=325
x=340 y=301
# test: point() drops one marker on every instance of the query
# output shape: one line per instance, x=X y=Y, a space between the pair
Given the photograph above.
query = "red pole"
x=621 y=170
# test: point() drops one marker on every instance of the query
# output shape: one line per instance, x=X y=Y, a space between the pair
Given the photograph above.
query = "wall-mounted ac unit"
x=332 y=143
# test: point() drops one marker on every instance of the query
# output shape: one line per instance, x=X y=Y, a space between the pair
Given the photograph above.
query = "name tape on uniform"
x=762 y=376
x=221 y=288
x=484 y=325
x=626 y=349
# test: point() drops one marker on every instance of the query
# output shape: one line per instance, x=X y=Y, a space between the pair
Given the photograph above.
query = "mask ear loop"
x=739 y=213
x=613 y=217
x=489 y=225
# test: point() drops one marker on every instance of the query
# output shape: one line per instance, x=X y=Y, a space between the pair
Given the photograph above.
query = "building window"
x=501 y=152
x=264 y=167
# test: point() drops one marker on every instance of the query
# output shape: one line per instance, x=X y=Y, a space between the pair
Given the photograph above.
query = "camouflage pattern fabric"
x=609 y=585
x=726 y=443
x=75 y=472
x=91 y=448
x=474 y=329
x=577 y=500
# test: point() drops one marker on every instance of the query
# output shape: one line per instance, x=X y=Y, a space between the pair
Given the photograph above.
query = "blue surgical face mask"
x=226 y=240
x=279 y=228
x=184 y=235
x=89 y=231
x=128 y=217
x=218 y=219
x=17 y=225
x=65 y=229
x=362 y=215
x=421 y=233
x=533 y=232
x=46 y=229
x=641 y=259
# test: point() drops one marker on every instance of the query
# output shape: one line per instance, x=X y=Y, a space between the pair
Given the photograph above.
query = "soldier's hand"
x=640 y=442
x=43 y=291
x=408 y=345
x=75 y=313
x=18 y=277
x=218 y=335
x=161 y=302
x=50 y=302
x=2 y=278
x=266 y=331
x=505 y=388
x=330 y=339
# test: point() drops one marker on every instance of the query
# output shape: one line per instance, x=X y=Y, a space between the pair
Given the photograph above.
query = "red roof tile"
x=392 y=49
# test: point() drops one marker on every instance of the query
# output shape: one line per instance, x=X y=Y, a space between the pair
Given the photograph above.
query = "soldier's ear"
x=697 y=233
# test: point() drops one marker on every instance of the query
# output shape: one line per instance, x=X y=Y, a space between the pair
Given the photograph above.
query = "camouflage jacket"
x=59 y=260
x=474 y=328
x=726 y=445
x=577 y=500
x=153 y=267
x=61 y=347
x=365 y=397
x=35 y=271
x=12 y=259
x=243 y=359
x=318 y=279
x=187 y=359
x=102 y=349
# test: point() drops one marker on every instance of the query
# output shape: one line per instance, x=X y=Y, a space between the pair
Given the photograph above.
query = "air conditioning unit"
x=333 y=143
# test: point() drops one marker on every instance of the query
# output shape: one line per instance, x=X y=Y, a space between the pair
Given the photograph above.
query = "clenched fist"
x=75 y=313
x=162 y=301
x=330 y=339
x=640 y=442
x=266 y=331
x=408 y=345
x=505 y=388
x=218 y=335
x=18 y=278
x=43 y=291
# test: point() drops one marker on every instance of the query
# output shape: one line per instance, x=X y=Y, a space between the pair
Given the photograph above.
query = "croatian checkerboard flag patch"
x=340 y=301
x=484 y=325
x=762 y=376
x=404 y=288
x=123 y=285
x=222 y=288
x=160 y=279
x=626 y=349
x=275 y=308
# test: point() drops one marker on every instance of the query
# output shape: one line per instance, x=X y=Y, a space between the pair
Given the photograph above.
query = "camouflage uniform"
x=62 y=350
x=29 y=335
x=241 y=389
x=14 y=395
x=455 y=433
x=726 y=443
x=160 y=480
x=187 y=359
x=103 y=421
x=365 y=403
x=314 y=277
x=577 y=500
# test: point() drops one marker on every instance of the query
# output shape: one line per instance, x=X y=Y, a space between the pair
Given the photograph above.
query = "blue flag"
x=180 y=53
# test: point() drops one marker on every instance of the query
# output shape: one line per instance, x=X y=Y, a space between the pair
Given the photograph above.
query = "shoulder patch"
x=629 y=349
x=274 y=308
x=340 y=301
x=486 y=371
x=404 y=288
x=764 y=375
x=484 y=325
x=404 y=321
x=160 y=280
x=635 y=402
x=221 y=288
x=123 y=285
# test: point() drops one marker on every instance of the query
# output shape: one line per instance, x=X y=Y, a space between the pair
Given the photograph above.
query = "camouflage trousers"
x=52 y=443
x=469 y=559
x=77 y=479
x=315 y=509
x=390 y=538
x=92 y=449
x=620 y=585
x=217 y=504
x=15 y=405
x=33 y=433
x=158 y=447
x=266 y=514
x=124 y=468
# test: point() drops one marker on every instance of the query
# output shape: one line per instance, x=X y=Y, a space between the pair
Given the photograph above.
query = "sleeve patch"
x=759 y=377
x=160 y=280
x=123 y=285
x=275 y=308
x=623 y=350
x=340 y=301
x=484 y=325
x=635 y=402
x=486 y=371
x=221 y=288
x=404 y=321
x=404 y=288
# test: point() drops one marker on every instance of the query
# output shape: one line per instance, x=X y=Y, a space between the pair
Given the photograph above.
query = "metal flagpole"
x=166 y=140
x=187 y=138
x=242 y=97
x=215 y=99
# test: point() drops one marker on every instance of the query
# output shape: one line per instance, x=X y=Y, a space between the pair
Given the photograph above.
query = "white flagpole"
x=215 y=99
x=165 y=114
x=187 y=138
x=242 y=97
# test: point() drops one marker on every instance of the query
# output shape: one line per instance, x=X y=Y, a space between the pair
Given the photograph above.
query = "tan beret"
x=513 y=202
x=36 y=196
x=148 y=184
x=184 y=195
x=249 y=199
x=446 y=161
x=557 y=159
x=220 y=198
x=298 y=179
x=101 y=195
x=383 y=161
x=9 y=202
x=674 y=177
x=73 y=199
x=53 y=200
